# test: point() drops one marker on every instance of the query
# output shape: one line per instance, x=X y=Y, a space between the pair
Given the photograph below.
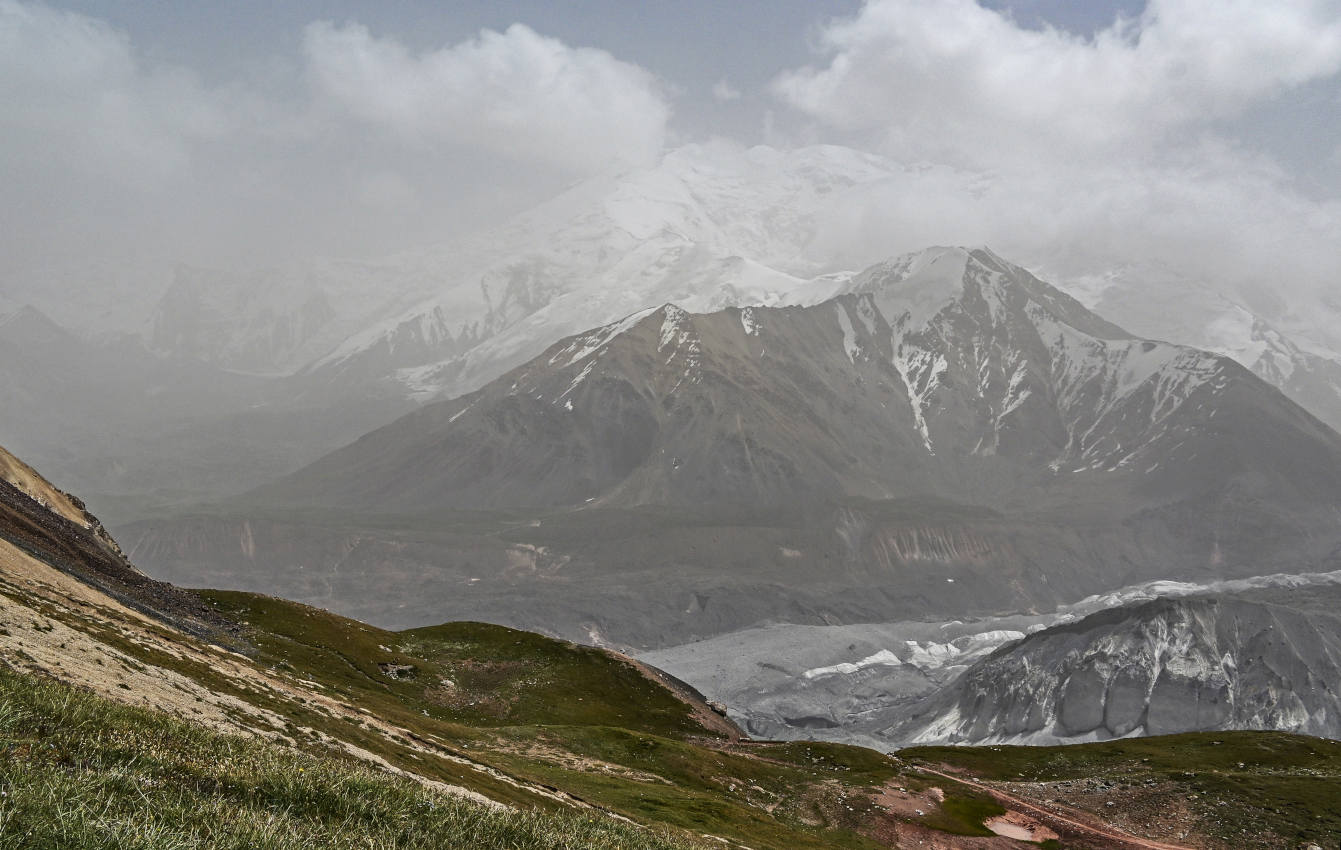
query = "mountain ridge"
x=954 y=436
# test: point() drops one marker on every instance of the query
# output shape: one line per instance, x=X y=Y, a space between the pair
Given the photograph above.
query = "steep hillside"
x=24 y=478
x=951 y=436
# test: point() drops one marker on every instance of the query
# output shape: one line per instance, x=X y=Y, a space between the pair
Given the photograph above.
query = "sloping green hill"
x=80 y=771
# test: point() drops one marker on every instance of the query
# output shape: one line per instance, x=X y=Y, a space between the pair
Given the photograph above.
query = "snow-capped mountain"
x=1293 y=353
x=959 y=364
x=707 y=227
x=950 y=435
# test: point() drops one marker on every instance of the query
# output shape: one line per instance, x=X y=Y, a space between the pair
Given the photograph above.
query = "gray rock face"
x=949 y=436
x=949 y=373
x=1267 y=659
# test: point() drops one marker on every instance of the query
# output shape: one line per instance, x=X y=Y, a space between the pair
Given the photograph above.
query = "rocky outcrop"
x=56 y=530
x=1262 y=660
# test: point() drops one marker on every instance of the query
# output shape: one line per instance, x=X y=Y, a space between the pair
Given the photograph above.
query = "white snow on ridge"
x=1168 y=588
x=673 y=330
x=913 y=289
x=1158 y=303
x=748 y=322
x=921 y=371
x=588 y=344
x=850 y=344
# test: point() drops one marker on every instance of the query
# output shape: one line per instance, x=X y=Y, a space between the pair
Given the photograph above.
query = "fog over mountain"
x=947 y=436
x=893 y=372
x=385 y=206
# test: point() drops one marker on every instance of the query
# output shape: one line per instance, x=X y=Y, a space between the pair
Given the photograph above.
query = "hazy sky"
x=250 y=133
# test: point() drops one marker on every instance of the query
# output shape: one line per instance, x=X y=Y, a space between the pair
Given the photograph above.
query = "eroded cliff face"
x=1267 y=660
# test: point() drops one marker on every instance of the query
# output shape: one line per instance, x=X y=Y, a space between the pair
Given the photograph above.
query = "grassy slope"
x=524 y=712
x=82 y=772
x=569 y=717
x=1267 y=789
x=473 y=674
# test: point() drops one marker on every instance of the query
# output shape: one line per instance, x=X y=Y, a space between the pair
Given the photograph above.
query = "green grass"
x=746 y=795
x=474 y=674
x=77 y=771
x=570 y=717
x=964 y=814
x=514 y=677
x=1240 y=783
x=546 y=713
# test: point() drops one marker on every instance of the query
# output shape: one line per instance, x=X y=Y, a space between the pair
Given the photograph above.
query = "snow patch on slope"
x=850 y=344
x=588 y=344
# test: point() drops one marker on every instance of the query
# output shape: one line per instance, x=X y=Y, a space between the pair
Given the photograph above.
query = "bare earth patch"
x=1021 y=827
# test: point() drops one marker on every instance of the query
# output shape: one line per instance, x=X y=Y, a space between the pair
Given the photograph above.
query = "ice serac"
x=946 y=435
x=1264 y=659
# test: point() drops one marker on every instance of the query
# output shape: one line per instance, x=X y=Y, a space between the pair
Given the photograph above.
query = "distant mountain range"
x=1296 y=353
x=949 y=435
x=733 y=432
x=290 y=363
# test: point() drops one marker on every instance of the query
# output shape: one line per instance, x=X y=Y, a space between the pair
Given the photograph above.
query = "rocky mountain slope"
x=1294 y=352
x=948 y=436
x=1266 y=659
x=289 y=363
x=947 y=372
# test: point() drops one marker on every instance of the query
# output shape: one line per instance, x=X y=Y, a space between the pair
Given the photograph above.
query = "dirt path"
x=1047 y=815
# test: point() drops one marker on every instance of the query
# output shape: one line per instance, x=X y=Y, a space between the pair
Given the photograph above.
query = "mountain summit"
x=947 y=435
x=949 y=372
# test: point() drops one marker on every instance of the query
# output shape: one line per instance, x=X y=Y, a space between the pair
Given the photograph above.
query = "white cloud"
x=69 y=81
x=1081 y=153
x=724 y=92
x=515 y=92
x=950 y=78
x=112 y=159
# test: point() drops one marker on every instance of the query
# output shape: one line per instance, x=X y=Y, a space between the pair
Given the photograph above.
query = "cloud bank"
x=1078 y=152
x=952 y=78
x=356 y=144
x=515 y=92
x=1074 y=153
